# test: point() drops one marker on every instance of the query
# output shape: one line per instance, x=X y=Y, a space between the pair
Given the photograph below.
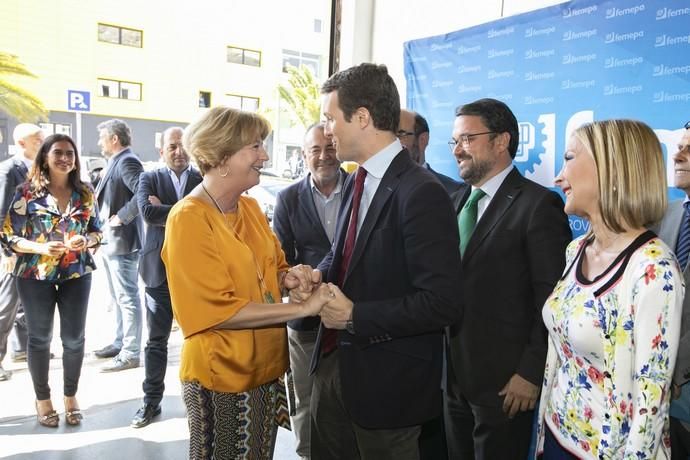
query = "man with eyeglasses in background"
x=305 y=221
x=513 y=235
x=413 y=132
x=674 y=230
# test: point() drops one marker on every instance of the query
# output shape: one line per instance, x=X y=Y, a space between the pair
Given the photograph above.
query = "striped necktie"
x=683 y=244
x=467 y=219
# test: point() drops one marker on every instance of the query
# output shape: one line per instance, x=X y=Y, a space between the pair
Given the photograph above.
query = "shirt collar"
x=377 y=165
x=183 y=173
x=337 y=189
x=491 y=186
x=27 y=162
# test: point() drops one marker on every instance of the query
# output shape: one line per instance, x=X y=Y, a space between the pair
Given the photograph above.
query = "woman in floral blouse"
x=614 y=317
x=51 y=224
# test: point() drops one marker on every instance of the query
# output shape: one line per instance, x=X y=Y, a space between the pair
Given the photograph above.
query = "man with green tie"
x=513 y=235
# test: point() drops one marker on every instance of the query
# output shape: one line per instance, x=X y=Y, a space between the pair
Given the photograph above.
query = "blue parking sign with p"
x=78 y=100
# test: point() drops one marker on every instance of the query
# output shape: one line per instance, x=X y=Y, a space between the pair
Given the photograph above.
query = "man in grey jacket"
x=123 y=232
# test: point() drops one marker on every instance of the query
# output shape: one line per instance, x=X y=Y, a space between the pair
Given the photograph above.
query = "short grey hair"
x=118 y=128
x=24 y=130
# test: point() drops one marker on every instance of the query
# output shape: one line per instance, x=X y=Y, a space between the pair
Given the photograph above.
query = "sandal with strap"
x=73 y=416
x=51 y=419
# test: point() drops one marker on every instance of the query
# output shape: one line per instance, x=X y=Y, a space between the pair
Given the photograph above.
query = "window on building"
x=297 y=58
x=246 y=103
x=204 y=99
x=56 y=128
x=119 y=89
x=120 y=35
x=318 y=26
x=244 y=56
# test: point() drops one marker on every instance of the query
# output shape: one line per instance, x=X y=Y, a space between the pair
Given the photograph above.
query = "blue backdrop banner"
x=557 y=68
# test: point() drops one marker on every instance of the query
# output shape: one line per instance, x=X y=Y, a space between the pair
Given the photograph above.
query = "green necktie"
x=467 y=219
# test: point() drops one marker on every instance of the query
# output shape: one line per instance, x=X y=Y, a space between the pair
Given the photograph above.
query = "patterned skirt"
x=234 y=426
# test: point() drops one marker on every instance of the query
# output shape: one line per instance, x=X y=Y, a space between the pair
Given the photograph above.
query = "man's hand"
x=114 y=221
x=338 y=310
x=520 y=395
x=301 y=280
x=154 y=200
x=315 y=302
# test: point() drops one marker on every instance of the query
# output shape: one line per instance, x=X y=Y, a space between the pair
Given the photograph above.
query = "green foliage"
x=14 y=100
x=302 y=95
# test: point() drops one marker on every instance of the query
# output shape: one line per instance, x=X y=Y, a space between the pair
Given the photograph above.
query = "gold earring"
x=227 y=171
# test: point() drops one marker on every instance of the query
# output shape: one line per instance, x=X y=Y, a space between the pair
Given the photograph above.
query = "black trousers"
x=39 y=299
x=680 y=440
x=159 y=318
x=479 y=429
x=335 y=437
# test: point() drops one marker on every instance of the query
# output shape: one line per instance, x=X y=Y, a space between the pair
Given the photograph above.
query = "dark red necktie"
x=328 y=342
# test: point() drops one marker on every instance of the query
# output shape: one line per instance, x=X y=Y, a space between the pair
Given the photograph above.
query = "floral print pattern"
x=612 y=348
x=36 y=217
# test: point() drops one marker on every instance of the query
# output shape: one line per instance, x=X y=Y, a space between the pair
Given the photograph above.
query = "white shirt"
x=376 y=167
x=327 y=206
x=490 y=187
x=179 y=182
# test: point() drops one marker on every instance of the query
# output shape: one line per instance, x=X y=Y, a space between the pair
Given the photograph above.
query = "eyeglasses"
x=687 y=125
x=403 y=133
x=465 y=140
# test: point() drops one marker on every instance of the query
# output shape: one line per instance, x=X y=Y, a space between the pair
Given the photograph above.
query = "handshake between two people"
x=318 y=298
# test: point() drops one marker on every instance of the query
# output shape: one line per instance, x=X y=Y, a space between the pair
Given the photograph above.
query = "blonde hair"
x=220 y=133
x=631 y=172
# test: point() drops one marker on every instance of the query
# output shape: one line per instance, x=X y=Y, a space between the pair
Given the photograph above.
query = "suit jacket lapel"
x=193 y=180
x=22 y=170
x=306 y=203
x=109 y=170
x=341 y=228
x=505 y=196
x=389 y=182
x=670 y=226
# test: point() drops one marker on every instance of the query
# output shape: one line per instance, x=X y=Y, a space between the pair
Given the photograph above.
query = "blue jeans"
x=159 y=318
x=123 y=280
x=39 y=299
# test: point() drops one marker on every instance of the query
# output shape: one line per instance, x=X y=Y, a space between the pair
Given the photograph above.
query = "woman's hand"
x=319 y=297
x=76 y=243
x=52 y=248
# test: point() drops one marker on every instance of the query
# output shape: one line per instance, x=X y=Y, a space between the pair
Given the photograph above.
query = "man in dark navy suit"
x=158 y=191
x=304 y=221
x=413 y=132
x=27 y=140
x=393 y=269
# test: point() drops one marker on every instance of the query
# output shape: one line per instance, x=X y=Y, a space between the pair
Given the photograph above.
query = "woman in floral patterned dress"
x=614 y=317
x=51 y=224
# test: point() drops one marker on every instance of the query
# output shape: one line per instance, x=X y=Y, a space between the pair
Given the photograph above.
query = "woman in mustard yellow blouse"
x=225 y=271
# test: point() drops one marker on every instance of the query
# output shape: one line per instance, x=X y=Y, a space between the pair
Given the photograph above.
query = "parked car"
x=266 y=192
